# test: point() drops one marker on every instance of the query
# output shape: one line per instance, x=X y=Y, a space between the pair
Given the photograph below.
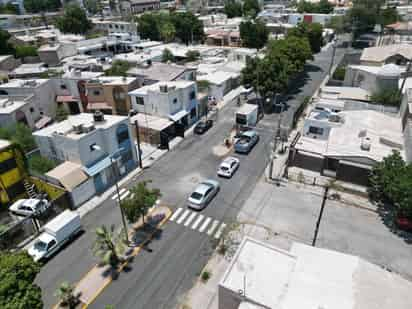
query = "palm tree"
x=65 y=293
x=109 y=245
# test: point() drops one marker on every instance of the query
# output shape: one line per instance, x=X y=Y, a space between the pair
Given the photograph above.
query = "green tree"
x=254 y=34
x=74 y=20
x=41 y=164
x=390 y=97
x=364 y=15
x=61 y=113
x=5 y=47
x=17 y=288
x=20 y=135
x=119 y=68
x=167 y=32
x=140 y=201
x=203 y=85
x=167 y=56
x=233 y=8
x=93 y=6
x=339 y=24
x=147 y=25
x=9 y=8
x=388 y=16
x=109 y=246
x=251 y=8
x=192 y=55
x=38 y=6
x=66 y=296
x=188 y=27
x=23 y=51
x=322 y=7
x=313 y=32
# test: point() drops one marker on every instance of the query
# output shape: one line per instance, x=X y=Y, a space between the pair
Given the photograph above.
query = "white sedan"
x=228 y=167
x=28 y=207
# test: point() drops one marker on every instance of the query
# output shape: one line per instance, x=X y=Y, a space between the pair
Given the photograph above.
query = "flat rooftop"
x=156 y=87
x=159 y=71
x=112 y=80
x=24 y=83
x=8 y=106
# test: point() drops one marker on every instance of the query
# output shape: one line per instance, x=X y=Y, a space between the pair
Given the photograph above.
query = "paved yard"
x=292 y=211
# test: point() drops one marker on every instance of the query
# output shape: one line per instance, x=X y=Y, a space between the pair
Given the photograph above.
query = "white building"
x=101 y=144
x=115 y=26
x=220 y=83
x=176 y=100
x=18 y=110
x=305 y=277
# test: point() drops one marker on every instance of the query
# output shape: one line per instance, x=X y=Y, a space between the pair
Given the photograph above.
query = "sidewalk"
x=99 y=277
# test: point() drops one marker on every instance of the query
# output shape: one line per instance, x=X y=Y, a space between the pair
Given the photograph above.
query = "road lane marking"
x=220 y=231
x=190 y=219
x=124 y=195
x=176 y=214
x=182 y=217
x=204 y=225
x=197 y=222
x=213 y=227
x=120 y=193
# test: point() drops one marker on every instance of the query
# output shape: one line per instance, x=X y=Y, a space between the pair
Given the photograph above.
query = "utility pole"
x=138 y=144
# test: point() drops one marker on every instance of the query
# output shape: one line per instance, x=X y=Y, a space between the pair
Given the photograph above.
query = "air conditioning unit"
x=366 y=144
x=78 y=129
x=98 y=116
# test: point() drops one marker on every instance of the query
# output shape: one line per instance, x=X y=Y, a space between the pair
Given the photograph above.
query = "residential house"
x=175 y=100
x=139 y=6
x=398 y=54
x=115 y=26
x=264 y=276
x=15 y=109
x=220 y=83
x=109 y=94
x=101 y=144
x=29 y=70
x=8 y=63
x=52 y=54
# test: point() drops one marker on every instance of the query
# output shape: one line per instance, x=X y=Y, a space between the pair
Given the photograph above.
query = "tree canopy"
x=391 y=180
x=20 y=135
x=322 y=7
x=254 y=34
x=192 y=55
x=119 y=68
x=38 y=6
x=167 y=56
x=167 y=26
x=312 y=31
x=74 y=20
x=6 y=48
x=251 y=8
x=93 y=6
x=23 y=51
x=9 y=8
x=390 y=97
x=17 y=274
x=233 y=8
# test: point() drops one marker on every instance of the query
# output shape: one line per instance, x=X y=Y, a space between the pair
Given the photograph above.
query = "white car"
x=28 y=207
x=203 y=194
x=228 y=167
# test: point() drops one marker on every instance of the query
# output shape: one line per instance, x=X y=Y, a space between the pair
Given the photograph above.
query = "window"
x=63 y=87
x=139 y=101
x=193 y=113
x=7 y=165
x=51 y=244
x=93 y=147
x=174 y=101
x=316 y=130
x=192 y=95
x=96 y=92
x=31 y=110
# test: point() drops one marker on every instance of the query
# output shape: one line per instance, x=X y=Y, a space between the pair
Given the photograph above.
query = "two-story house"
x=175 y=100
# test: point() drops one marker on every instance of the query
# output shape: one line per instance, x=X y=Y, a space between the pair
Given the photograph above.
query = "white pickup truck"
x=56 y=233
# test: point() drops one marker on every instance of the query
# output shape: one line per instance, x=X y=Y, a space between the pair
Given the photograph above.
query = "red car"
x=404 y=223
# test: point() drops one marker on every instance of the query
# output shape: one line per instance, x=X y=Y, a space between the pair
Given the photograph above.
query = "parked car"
x=203 y=126
x=56 y=233
x=203 y=194
x=28 y=207
x=228 y=167
x=246 y=141
x=404 y=223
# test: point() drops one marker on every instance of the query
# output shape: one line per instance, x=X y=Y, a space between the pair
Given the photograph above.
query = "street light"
x=111 y=156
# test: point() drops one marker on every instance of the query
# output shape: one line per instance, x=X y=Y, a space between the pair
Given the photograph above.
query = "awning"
x=66 y=98
x=178 y=115
x=42 y=122
x=69 y=174
x=99 y=105
x=97 y=167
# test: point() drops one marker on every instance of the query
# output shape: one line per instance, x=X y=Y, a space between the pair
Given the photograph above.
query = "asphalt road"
x=158 y=279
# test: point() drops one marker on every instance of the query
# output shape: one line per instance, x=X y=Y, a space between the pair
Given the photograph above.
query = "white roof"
x=24 y=83
x=8 y=106
x=312 y=278
x=380 y=70
x=151 y=122
x=247 y=108
x=218 y=77
x=381 y=53
x=342 y=93
x=156 y=87
x=113 y=80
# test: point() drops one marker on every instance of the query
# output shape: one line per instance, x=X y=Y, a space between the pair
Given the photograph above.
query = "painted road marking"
x=205 y=224
x=120 y=193
x=212 y=228
x=190 y=219
x=182 y=217
x=197 y=222
x=220 y=230
x=124 y=195
x=176 y=214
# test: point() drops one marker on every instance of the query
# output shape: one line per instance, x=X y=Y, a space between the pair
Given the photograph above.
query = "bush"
x=339 y=73
x=41 y=164
x=119 y=68
x=387 y=97
x=20 y=135
x=205 y=276
x=25 y=51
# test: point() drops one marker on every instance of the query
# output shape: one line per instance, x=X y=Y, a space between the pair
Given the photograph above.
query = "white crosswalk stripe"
x=205 y=224
x=176 y=214
x=213 y=227
x=124 y=195
x=183 y=217
x=190 y=219
x=220 y=231
x=120 y=193
x=197 y=222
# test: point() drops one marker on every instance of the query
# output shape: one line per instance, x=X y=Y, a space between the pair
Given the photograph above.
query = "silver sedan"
x=203 y=194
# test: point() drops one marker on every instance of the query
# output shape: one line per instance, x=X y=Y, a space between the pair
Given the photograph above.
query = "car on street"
x=404 y=223
x=228 y=167
x=203 y=194
x=28 y=207
x=246 y=141
x=203 y=126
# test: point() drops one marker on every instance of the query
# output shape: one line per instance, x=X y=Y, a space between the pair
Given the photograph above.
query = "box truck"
x=56 y=233
x=247 y=115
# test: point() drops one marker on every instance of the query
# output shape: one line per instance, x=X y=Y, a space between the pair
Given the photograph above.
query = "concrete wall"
x=307 y=162
x=353 y=174
x=83 y=192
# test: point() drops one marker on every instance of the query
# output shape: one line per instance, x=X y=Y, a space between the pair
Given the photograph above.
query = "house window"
x=193 y=113
x=192 y=95
x=93 y=147
x=96 y=92
x=174 y=101
x=316 y=130
x=31 y=110
x=139 y=101
x=63 y=87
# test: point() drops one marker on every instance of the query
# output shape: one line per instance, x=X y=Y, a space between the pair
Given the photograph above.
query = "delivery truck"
x=56 y=233
x=247 y=115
